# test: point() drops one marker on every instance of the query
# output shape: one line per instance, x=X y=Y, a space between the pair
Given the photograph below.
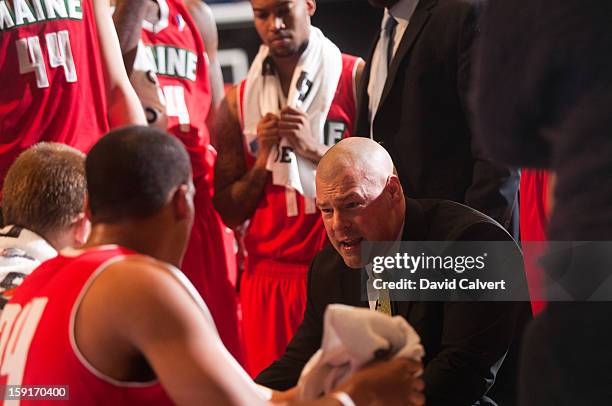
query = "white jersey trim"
x=73 y=344
x=355 y=67
x=180 y=278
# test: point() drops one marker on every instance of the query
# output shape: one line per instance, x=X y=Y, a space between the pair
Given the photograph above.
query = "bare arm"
x=137 y=316
x=123 y=104
x=205 y=21
x=128 y=18
x=154 y=324
x=237 y=190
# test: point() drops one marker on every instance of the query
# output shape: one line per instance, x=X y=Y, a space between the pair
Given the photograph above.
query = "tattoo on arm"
x=237 y=189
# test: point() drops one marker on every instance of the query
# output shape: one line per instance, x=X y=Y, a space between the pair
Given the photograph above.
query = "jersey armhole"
x=71 y=336
x=358 y=60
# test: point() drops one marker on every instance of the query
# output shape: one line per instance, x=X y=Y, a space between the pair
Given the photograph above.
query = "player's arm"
x=123 y=104
x=205 y=21
x=137 y=322
x=137 y=308
x=238 y=190
x=128 y=17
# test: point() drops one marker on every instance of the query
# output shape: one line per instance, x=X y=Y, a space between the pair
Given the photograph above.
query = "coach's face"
x=357 y=207
x=283 y=25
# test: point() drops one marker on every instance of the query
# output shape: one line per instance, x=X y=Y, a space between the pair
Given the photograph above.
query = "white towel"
x=352 y=337
x=312 y=90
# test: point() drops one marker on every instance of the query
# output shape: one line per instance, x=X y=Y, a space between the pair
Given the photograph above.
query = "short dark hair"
x=131 y=171
x=44 y=189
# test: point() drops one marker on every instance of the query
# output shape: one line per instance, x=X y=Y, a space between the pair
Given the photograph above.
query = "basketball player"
x=285 y=229
x=174 y=47
x=37 y=226
x=60 y=78
x=118 y=324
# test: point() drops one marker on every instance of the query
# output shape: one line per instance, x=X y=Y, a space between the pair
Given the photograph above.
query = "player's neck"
x=144 y=238
x=285 y=66
x=284 y=70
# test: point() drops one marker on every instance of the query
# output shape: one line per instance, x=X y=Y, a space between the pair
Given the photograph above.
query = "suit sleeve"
x=493 y=188
x=476 y=337
x=284 y=373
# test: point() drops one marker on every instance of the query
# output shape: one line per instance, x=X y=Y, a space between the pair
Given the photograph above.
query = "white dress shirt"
x=402 y=12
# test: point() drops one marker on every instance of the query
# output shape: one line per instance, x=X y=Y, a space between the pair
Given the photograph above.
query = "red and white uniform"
x=52 y=80
x=280 y=247
x=176 y=50
x=37 y=342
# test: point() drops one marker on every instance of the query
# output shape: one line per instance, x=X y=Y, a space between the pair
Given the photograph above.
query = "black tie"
x=390 y=33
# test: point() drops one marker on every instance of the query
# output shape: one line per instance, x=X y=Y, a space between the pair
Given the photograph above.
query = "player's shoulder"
x=353 y=65
x=134 y=273
x=233 y=92
x=201 y=13
x=349 y=59
x=200 y=7
x=231 y=100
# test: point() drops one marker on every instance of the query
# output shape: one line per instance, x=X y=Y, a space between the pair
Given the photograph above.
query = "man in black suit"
x=417 y=107
x=361 y=199
x=543 y=95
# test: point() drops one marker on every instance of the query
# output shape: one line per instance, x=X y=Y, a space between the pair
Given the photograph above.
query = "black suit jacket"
x=423 y=118
x=464 y=342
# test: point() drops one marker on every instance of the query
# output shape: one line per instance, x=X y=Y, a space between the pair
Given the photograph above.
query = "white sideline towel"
x=312 y=90
x=352 y=337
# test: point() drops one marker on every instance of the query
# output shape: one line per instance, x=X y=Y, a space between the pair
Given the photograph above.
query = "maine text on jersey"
x=172 y=61
x=24 y=12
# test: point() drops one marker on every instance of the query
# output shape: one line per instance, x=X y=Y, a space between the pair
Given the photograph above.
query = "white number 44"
x=31 y=57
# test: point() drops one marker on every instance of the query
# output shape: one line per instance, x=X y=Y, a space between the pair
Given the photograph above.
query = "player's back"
x=52 y=81
x=38 y=341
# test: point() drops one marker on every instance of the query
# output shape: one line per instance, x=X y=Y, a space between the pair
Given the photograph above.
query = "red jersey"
x=272 y=233
x=38 y=323
x=52 y=80
x=176 y=50
x=280 y=246
x=533 y=194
